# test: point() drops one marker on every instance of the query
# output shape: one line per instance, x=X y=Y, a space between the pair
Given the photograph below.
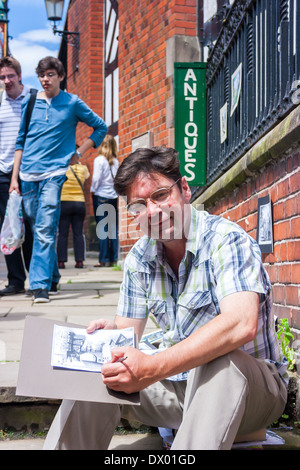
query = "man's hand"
x=74 y=159
x=100 y=325
x=14 y=186
x=133 y=374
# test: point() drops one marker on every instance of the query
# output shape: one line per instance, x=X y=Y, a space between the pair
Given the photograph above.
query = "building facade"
x=124 y=70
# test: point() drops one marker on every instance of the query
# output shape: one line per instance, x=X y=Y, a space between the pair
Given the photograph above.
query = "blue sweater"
x=50 y=141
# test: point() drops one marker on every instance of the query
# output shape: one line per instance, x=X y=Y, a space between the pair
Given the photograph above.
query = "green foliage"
x=284 y=336
x=116 y=267
x=9 y=435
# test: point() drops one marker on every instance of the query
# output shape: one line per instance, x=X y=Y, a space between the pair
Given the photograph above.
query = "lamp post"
x=54 y=10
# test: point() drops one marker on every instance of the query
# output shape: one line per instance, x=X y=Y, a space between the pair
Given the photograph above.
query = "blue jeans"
x=106 y=215
x=41 y=201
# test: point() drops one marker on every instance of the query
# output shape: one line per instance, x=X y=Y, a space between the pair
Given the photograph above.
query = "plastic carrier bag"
x=12 y=231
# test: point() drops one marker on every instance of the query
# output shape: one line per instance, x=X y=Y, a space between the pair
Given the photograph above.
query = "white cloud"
x=31 y=46
x=29 y=55
x=40 y=35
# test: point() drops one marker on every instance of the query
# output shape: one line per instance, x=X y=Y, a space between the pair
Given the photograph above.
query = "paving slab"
x=86 y=285
x=71 y=298
x=22 y=444
x=85 y=294
x=4 y=311
x=8 y=374
x=136 y=442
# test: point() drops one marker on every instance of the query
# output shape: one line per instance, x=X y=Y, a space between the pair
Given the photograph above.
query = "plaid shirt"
x=220 y=259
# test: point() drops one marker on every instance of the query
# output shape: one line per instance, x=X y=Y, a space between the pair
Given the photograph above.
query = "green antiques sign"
x=190 y=120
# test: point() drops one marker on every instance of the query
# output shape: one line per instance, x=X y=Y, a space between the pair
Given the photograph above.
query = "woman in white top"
x=105 y=201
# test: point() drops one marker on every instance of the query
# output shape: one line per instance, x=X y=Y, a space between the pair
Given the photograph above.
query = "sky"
x=31 y=37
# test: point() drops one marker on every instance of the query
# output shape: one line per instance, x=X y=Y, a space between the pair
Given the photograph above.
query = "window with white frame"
x=111 y=66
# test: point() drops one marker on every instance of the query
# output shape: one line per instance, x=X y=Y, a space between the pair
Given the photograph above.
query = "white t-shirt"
x=102 y=180
x=10 y=117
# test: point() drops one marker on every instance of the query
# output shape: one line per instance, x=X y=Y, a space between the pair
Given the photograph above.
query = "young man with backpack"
x=41 y=162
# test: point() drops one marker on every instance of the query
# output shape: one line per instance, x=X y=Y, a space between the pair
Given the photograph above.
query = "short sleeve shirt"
x=220 y=259
x=10 y=117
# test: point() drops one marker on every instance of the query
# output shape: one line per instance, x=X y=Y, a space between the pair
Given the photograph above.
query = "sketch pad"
x=37 y=378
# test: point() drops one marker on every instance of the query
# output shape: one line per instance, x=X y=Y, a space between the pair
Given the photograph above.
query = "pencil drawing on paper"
x=74 y=348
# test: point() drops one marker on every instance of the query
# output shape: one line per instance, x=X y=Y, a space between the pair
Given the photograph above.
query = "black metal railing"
x=263 y=38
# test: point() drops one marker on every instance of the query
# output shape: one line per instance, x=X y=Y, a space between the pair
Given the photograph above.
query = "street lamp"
x=3 y=11
x=54 y=13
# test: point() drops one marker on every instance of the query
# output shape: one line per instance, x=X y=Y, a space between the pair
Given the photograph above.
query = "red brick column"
x=280 y=179
x=144 y=88
x=85 y=69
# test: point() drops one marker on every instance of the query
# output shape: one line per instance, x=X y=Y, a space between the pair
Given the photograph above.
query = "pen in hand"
x=121 y=359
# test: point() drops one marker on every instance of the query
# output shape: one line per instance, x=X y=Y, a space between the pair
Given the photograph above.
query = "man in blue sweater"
x=42 y=157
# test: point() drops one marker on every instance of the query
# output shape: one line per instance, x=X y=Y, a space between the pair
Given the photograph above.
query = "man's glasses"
x=10 y=76
x=48 y=75
x=159 y=196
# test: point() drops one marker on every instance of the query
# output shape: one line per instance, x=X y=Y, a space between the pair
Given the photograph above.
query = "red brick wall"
x=281 y=180
x=144 y=88
x=145 y=26
x=86 y=16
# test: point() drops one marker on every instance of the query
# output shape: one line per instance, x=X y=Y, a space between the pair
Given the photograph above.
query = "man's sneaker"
x=53 y=290
x=11 y=290
x=40 y=296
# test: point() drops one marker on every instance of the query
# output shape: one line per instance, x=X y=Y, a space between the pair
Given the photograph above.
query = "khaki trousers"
x=231 y=396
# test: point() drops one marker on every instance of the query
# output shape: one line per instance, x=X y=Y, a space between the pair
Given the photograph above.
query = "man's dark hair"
x=161 y=160
x=50 y=63
x=8 y=61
